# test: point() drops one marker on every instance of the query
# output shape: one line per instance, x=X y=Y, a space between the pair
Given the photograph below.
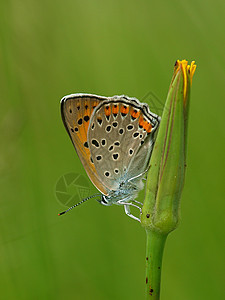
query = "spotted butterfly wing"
x=76 y=111
x=120 y=138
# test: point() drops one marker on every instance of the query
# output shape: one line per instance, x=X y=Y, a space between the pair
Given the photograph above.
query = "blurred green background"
x=49 y=49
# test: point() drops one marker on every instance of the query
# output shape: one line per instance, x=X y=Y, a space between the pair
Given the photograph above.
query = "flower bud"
x=167 y=166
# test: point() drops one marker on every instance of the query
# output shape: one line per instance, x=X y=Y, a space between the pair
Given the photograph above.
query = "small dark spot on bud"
x=146 y=280
x=148 y=215
x=71 y=111
x=147 y=258
x=159 y=268
x=150 y=291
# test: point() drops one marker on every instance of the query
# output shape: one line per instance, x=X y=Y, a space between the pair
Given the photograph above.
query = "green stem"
x=154 y=253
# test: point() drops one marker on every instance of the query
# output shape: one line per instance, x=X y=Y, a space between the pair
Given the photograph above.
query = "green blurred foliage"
x=52 y=48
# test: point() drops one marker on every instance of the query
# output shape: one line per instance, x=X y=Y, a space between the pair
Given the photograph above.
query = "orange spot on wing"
x=115 y=109
x=134 y=113
x=124 y=109
x=148 y=127
x=141 y=121
x=107 y=110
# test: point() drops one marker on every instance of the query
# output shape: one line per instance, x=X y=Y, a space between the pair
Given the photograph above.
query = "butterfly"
x=114 y=138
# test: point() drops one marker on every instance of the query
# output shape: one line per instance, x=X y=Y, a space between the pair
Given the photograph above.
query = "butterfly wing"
x=119 y=128
x=76 y=111
x=140 y=161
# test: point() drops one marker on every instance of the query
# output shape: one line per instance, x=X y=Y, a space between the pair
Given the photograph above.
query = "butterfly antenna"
x=82 y=201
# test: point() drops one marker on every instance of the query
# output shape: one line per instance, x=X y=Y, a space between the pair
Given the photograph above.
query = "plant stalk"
x=154 y=253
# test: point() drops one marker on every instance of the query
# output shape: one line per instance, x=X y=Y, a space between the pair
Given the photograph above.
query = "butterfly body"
x=125 y=193
x=113 y=137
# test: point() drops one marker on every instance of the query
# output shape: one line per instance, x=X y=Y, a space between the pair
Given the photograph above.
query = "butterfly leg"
x=137 y=202
x=127 y=209
x=129 y=214
x=139 y=175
